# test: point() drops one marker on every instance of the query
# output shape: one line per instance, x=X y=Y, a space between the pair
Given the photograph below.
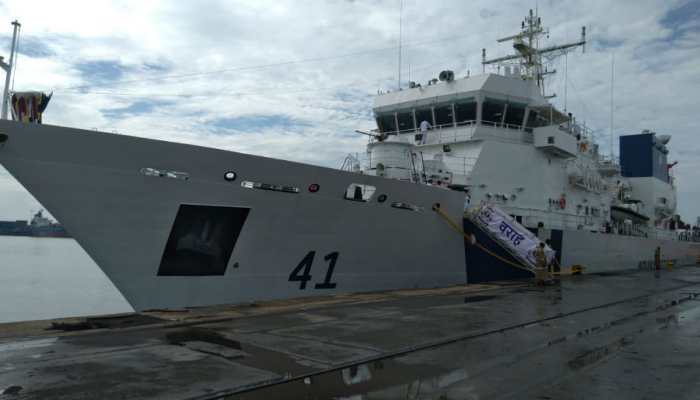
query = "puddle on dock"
x=459 y=369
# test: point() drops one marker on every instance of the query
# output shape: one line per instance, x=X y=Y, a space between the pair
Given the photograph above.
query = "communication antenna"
x=8 y=71
x=612 y=112
x=400 y=35
x=566 y=79
x=528 y=55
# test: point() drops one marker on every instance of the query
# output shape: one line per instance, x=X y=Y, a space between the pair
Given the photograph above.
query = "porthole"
x=382 y=198
x=230 y=176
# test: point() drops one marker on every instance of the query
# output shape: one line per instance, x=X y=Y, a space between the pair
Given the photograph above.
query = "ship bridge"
x=461 y=114
x=467 y=109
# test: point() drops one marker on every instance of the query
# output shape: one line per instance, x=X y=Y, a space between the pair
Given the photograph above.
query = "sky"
x=294 y=79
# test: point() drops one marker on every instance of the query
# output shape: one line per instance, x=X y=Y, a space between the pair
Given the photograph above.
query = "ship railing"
x=609 y=162
x=444 y=132
x=576 y=129
x=552 y=218
x=445 y=136
x=516 y=136
x=688 y=235
x=458 y=131
x=455 y=165
x=562 y=220
x=681 y=235
x=502 y=125
x=607 y=159
x=367 y=162
x=351 y=163
x=664 y=234
x=623 y=229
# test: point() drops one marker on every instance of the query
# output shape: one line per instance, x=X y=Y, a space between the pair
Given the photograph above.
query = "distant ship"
x=39 y=226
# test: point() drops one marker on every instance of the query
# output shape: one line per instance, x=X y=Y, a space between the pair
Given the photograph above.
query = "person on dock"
x=540 y=264
x=553 y=266
x=657 y=258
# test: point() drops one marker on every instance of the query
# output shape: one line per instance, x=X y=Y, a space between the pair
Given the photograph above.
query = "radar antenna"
x=528 y=54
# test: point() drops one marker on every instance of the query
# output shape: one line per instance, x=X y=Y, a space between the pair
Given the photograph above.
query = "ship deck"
x=632 y=335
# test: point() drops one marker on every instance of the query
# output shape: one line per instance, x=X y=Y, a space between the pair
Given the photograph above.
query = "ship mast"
x=8 y=71
x=528 y=54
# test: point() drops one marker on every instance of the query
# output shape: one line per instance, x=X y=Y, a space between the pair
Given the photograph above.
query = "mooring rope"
x=471 y=239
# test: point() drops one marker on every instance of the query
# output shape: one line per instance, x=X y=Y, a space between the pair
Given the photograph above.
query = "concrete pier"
x=624 y=336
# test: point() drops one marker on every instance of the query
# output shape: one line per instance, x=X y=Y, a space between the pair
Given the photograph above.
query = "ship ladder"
x=471 y=239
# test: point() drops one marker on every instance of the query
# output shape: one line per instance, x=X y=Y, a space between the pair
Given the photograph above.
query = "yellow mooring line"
x=472 y=240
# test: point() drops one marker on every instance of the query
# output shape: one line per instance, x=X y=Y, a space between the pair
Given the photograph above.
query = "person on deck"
x=424 y=126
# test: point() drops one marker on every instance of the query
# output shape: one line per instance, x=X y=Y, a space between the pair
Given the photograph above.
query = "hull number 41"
x=302 y=273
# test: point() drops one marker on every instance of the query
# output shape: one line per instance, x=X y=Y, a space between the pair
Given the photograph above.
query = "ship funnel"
x=28 y=107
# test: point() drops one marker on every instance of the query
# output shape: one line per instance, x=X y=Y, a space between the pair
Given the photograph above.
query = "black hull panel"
x=483 y=267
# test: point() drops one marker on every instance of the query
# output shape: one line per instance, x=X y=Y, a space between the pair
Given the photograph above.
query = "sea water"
x=45 y=278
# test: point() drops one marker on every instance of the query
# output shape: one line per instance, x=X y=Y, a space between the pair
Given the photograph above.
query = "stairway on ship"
x=483 y=267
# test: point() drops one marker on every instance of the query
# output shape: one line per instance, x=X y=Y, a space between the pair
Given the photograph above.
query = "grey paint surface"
x=90 y=181
x=605 y=253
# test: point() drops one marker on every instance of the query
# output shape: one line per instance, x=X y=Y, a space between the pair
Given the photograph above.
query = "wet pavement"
x=626 y=336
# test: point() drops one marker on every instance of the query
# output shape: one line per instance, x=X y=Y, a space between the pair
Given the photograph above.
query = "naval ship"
x=176 y=225
x=39 y=226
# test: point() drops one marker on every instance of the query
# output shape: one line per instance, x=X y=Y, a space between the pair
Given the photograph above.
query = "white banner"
x=510 y=233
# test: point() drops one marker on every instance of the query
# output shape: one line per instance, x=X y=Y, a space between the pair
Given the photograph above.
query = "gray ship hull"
x=149 y=232
x=602 y=253
x=597 y=253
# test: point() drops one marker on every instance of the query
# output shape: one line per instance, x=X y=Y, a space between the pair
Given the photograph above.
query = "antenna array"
x=529 y=56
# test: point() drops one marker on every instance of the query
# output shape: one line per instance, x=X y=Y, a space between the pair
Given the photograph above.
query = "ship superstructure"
x=498 y=138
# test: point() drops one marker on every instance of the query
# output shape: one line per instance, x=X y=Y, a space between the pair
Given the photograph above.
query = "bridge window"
x=443 y=116
x=466 y=112
x=492 y=111
x=405 y=121
x=424 y=114
x=515 y=114
x=386 y=123
x=535 y=120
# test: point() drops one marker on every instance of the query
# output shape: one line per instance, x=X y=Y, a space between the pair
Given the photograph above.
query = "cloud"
x=254 y=123
x=135 y=108
x=101 y=71
x=682 y=20
x=30 y=46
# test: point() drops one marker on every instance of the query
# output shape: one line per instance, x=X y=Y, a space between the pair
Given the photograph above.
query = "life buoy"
x=562 y=202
